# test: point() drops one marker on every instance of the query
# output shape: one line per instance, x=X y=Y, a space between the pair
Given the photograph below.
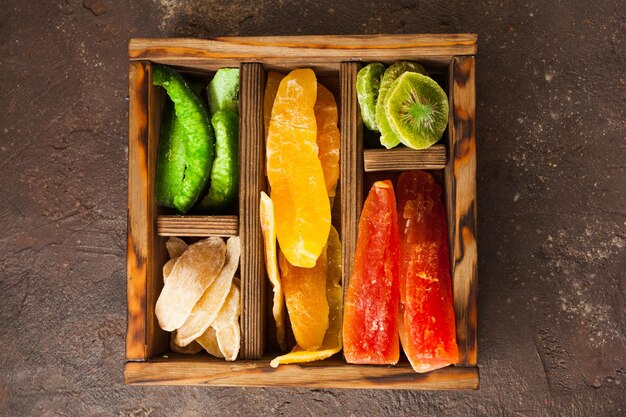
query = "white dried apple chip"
x=190 y=349
x=208 y=340
x=209 y=305
x=225 y=333
x=194 y=271
x=175 y=246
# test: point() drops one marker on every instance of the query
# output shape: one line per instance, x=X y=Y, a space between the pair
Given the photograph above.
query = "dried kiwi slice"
x=387 y=136
x=417 y=110
x=367 y=86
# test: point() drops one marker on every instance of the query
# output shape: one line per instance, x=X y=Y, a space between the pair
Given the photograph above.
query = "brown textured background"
x=551 y=135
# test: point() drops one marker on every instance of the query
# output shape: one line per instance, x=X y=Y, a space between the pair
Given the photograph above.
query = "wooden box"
x=336 y=59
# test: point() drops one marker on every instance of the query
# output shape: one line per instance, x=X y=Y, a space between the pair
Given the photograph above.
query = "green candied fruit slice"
x=222 y=91
x=170 y=166
x=225 y=173
x=367 y=86
x=387 y=137
x=199 y=137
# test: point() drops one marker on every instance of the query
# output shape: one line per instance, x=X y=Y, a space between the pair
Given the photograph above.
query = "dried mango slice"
x=271 y=265
x=305 y=295
x=209 y=305
x=326 y=116
x=271 y=88
x=190 y=349
x=334 y=294
x=301 y=204
x=194 y=271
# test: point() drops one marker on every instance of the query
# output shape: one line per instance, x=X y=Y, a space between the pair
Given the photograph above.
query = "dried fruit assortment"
x=399 y=293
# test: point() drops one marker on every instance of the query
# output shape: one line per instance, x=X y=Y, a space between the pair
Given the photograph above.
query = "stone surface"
x=552 y=206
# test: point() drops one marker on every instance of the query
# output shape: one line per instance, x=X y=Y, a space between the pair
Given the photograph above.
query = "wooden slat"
x=351 y=167
x=404 y=159
x=145 y=250
x=157 y=340
x=460 y=179
x=138 y=229
x=289 y=51
x=252 y=178
x=200 y=226
x=177 y=370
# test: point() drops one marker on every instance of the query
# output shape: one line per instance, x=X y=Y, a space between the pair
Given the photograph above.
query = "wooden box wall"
x=337 y=59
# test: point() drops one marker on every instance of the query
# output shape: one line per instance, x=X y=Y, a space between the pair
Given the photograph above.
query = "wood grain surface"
x=199 y=226
x=138 y=231
x=252 y=182
x=331 y=373
x=404 y=159
x=323 y=53
x=351 y=167
x=460 y=179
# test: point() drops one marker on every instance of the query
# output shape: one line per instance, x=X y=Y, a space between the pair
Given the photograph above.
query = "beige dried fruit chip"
x=209 y=305
x=208 y=340
x=167 y=269
x=190 y=349
x=223 y=338
x=226 y=324
x=194 y=271
x=268 y=227
x=175 y=246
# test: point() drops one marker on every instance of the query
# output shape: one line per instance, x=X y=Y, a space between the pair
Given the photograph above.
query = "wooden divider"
x=351 y=167
x=405 y=159
x=252 y=179
x=460 y=180
x=198 y=226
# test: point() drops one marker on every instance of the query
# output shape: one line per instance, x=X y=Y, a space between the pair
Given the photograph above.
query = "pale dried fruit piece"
x=223 y=337
x=226 y=324
x=334 y=294
x=190 y=349
x=209 y=305
x=175 y=247
x=194 y=271
x=268 y=227
x=167 y=269
x=208 y=340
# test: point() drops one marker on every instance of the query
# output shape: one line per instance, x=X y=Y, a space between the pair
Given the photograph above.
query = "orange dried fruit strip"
x=268 y=227
x=328 y=140
x=271 y=88
x=334 y=294
x=301 y=204
x=305 y=295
